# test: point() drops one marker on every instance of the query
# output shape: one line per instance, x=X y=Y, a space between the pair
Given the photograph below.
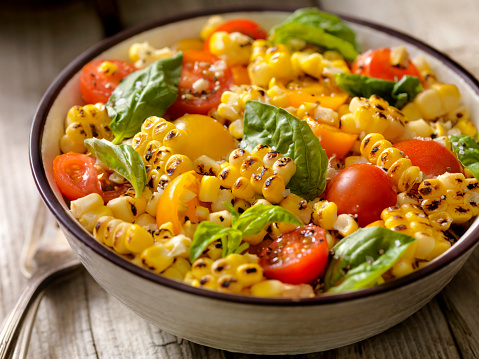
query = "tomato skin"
x=76 y=175
x=96 y=86
x=245 y=26
x=199 y=65
x=430 y=156
x=376 y=63
x=363 y=190
x=280 y=259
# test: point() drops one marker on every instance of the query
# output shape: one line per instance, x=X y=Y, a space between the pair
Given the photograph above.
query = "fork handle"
x=13 y=323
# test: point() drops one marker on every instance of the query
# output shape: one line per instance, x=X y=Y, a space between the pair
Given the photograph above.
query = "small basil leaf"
x=206 y=233
x=467 y=151
x=234 y=214
x=268 y=125
x=143 y=93
x=361 y=258
x=234 y=241
x=253 y=222
x=396 y=94
x=122 y=159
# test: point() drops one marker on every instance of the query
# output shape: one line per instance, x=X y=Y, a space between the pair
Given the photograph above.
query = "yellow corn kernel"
x=425 y=245
x=402 y=267
x=466 y=127
x=257 y=238
x=205 y=165
x=127 y=208
x=104 y=229
x=209 y=188
x=286 y=168
x=267 y=288
x=227 y=265
x=234 y=48
x=201 y=267
x=273 y=189
x=211 y=24
x=241 y=205
x=224 y=195
x=419 y=128
x=399 y=57
x=249 y=273
x=221 y=217
x=145 y=220
x=298 y=206
x=227 y=283
x=236 y=129
x=214 y=250
x=137 y=239
x=228 y=176
x=411 y=112
x=243 y=189
x=179 y=246
x=208 y=281
x=429 y=104
x=249 y=166
x=119 y=238
x=237 y=157
x=271 y=157
x=176 y=139
x=345 y=225
x=449 y=95
x=325 y=214
x=143 y=54
x=86 y=204
x=258 y=178
x=260 y=151
x=156 y=258
x=178 y=164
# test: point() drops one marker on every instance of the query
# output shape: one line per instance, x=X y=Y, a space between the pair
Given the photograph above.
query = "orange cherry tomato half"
x=299 y=256
x=363 y=190
x=240 y=75
x=204 y=77
x=245 y=26
x=430 y=156
x=333 y=140
x=179 y=200
x=377 y=63
x=77 y=176
x=96 y=85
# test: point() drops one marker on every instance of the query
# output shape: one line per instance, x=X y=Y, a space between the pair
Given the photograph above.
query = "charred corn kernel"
x=258 y=178
x=107 y=68
x=145 y=220
x=152 y=204
x=411 y=112
x=229 y=284
x=221 y=217
x=325 y=214
x=277 y=96
x=148 y=125
x=120 y=233
x=262 y=201
x=257 y=238
x=234 y=48
x=160 y=130
x=228 y=176
x=205 y=165
x=209 y=188
x=249 y=166
x=237 y=157
x=201 y=267
x=178 y=246
x=273 y=189
x=466 y=127
x=127 y=208
x=460 y=113
x=236 y=129
x=178 y=269
x=271 y=157
x=428 y=76
x=268 y=63
x=214 y=250
x=399 y=57
x=178 y=164
x=440 y=247
x=373 y=115
x=84 y=122
x=207 y=282
x=103 y=230
x=418 y=128
x=345 y=225
x=243 y=189
x=260 y=151
x=143 y=54
x=137 y=239
x=249 y=273
x=411 y=197
x=240 y=205
x=227 y=265
x=298 y=206
x=211 y=24
x=285 y=167
x=267 y=288
x=449 y=95
x=157 y=155
x=164 y=233
x=156 y=258
x=176 y=139
x=224 y=195
x=400 y=170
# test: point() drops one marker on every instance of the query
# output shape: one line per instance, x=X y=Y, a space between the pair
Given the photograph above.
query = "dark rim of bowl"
x=459 y=249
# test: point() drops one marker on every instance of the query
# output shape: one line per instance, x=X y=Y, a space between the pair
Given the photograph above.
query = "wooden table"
x=79 y=319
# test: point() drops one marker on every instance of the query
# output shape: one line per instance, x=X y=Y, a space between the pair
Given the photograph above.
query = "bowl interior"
x=64 y=93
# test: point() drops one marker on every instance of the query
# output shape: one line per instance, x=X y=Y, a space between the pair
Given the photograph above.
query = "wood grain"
x=79 y=319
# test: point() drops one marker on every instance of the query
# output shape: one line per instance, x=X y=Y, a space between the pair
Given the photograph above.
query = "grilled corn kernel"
x=221 y=217
x=271 y=157
x=267 y=288
x=178 y=164
x=286 y=168
x=137 y=239
x=257 y=238
x=145 y=220
x=209 y=188
x=237 y=157
x=228 y=176
x=234 y=48
x=243 y=189
x=127 y=208
x=178 y=246
x=241 y=205
x=260 y=151
x=273 y=189
x=229 y=284
x=249 y=166
x=176 y=139
x=325 y=214
x=227 y=265
x=224 y=195
x=201 y=267
x=119 y=238
x=345 y=225
x=298 y=206
x=249 y=273
x=258 y=178
x=205 y=165
x=156 y=258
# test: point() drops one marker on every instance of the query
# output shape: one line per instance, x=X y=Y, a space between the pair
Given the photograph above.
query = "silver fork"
x=46 y=259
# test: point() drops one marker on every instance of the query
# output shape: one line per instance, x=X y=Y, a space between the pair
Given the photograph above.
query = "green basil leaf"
x=467 y=151
x=361 y=258
x=330 y=23
x=206 y=233
x=234 y=214
x=234 y=241
x=255 y=218
x=122 y=159
x=284 y=33
x=143 y=93
x=268 y=125
x=396 y=94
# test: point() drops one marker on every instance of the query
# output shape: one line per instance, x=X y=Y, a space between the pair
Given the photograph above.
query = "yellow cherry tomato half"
x=206 y=136
x=179 y=200
x=297 y=97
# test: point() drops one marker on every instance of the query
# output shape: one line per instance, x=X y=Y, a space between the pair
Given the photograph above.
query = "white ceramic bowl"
x=232 y=322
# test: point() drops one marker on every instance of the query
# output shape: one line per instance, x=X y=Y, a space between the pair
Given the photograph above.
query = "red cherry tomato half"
x=204 y=77
x=363 y=190
x=77 y=176
x=244 y=26
x=97 y=85
x=377 y=64
x=296 y=257
x=430 y=156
